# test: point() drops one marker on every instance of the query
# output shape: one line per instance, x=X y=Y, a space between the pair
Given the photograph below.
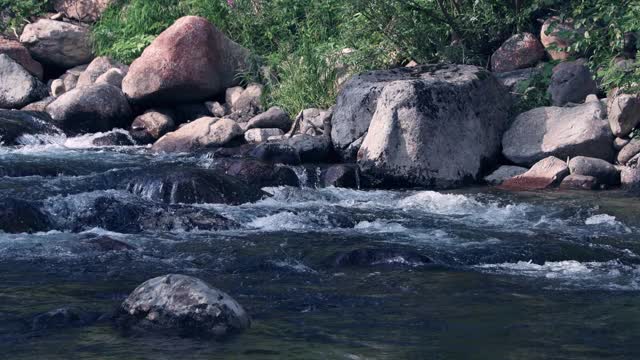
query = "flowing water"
x=553 y=275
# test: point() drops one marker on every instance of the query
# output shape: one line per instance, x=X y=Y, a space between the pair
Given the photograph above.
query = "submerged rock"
x=178 y=185
x=416 y=121
x=259 y=174
x=379 y=257
x=560 y=132
x=105 y=243
x=62 y=318
x=184 y=305
x=342 y=176
x=580 y=182
x=114 y=138
x=189 y=61
x=14 y=125
x=311 y=149
x=152 y=125
x=276 y=153
x=20 y=216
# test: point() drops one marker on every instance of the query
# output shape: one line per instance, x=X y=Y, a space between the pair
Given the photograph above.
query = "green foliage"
x=532 y=93
x=14 y=14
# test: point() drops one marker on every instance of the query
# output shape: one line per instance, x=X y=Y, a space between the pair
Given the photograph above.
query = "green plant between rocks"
x=14 y=14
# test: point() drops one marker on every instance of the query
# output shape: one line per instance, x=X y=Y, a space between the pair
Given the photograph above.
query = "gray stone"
x=202 y=133
x=342 y=176
x=630 y=177
x=57 y=87
x=275 y=117
x=152 y=125
x=561 y=132
x=98 y=67
x=39 y=106
x=511 y=79
x=434 y=125
x=112 y=77
x=571 y=82
x=261 y=135
x=605 y=172
x=628 y=151
x=18 y=87
x=91 y=109
x=276 y=153
x=216 y=109
x=58 y=43
x=619 y=143
x=114 y=138
x=503 y=173
x=624 y=114
x=579 y=182
x=545 y=173
x=312 y=122
x=184 y=304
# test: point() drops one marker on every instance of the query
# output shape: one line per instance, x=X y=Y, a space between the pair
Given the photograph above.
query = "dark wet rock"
x=603 y=171
x=20 y=216
x=105 y=243
x=15 y=124
x=126 y=213
x=18 y=87
x=152 y=125
x=580 y=182
x=276 y=153
x=311 y=149
x=504 y=173
x=186 y=113
x=275 y=117
x=571 y=82
x=260 y=174
x=561 y=132
x=183 y=305
x=544 y=174
x=422 y=116
x=241 y=151
x=368 y=257
x=57 y=43
x=173 y=185
x=62 y=318
x=91 y=109
x=342 y=176
x=189 y=61
x=114 y=138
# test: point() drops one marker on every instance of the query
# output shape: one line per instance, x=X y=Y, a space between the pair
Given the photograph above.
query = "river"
x=467 y=274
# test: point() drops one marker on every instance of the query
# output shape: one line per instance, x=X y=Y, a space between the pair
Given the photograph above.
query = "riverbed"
x=468 y=274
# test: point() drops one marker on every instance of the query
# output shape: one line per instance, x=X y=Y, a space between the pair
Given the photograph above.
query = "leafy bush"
x=14 y=14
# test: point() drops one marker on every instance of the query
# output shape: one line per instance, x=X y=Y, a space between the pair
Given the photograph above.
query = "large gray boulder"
x=91 y=109
x=561 y=132
x=185 y=305
x=18 y=87
x=434 y=125
x=59 y=44
x=203 y=133
x=189 y=61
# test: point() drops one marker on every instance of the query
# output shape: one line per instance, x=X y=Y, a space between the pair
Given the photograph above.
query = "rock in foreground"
x=183 y=305
x=544 y=174
x=435 y=125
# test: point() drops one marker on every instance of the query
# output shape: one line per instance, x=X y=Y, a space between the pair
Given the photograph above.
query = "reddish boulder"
x=190 y=61
x=21 y=55
x=518 y=52
x=544 y=174
x=556 y=37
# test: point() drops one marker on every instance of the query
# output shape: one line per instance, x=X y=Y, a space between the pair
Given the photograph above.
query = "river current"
x=466 y=274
